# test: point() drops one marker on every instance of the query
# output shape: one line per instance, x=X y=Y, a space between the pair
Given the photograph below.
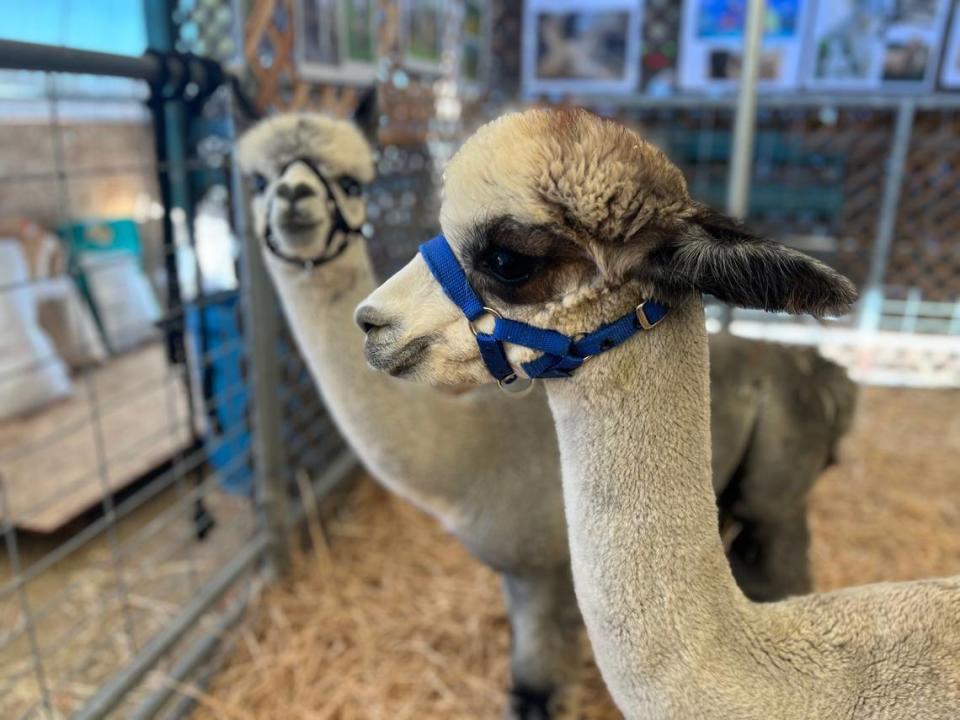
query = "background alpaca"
x=550 y=237
x=454 y=456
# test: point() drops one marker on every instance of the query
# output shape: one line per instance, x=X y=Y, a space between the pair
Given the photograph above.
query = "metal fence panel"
x=137 y=511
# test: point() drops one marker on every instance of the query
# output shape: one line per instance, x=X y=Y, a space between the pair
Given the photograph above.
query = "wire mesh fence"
x=819 y=175
x=864 y=185
x=132 y=478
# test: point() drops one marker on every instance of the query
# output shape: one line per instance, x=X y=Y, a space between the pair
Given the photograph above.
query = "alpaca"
x=453 y=456
x=563 y=220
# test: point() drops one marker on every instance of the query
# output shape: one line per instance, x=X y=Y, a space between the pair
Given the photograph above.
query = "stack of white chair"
x=62 y=312
x=32 y=373
x=125 y=302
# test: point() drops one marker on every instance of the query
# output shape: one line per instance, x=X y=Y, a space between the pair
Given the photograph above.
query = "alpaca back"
x=803 y=405
x=888 y=650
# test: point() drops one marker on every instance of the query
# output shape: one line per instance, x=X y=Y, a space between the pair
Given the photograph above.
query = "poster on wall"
x=950 y=73
x=582 y=46
x=358 y=38
x=475 y=47
x=711 y=44
x=335 y=40
x=317 y=38
x=423 y=28
x=875 y=44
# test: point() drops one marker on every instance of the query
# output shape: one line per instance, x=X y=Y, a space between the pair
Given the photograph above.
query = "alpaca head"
x=564 y=220
x=307 y=174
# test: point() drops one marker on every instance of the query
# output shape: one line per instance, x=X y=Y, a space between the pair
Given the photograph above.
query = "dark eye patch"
x=259 y=183
x=350 y=186
x=507 y=266
x=518 y=263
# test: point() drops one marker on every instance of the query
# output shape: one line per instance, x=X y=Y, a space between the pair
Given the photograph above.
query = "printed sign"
x=582 y=46
x=875 y=44
x=712 y=44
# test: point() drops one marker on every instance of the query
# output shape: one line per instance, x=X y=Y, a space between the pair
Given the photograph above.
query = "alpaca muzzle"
x=339 y=232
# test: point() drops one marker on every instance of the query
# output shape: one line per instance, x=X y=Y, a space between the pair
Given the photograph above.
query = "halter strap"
x=339 y=224
x=561 y=354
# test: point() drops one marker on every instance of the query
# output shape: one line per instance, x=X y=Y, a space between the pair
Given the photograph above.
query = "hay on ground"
x=398 y=622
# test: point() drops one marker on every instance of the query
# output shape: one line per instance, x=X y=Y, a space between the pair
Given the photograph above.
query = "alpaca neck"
x=383 y=419
x=651 y=577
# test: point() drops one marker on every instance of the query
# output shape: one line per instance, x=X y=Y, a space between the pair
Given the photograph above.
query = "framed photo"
x=857 y=45
x=317 y=39
x=581 y=46
x=950 y=72
x=711 y=48
x=335 y=40
x=424 y=24
x=358 y=39
x=475 y=45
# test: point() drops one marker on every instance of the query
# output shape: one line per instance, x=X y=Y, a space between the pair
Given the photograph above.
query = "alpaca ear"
x=713 y=253
x=367 y=115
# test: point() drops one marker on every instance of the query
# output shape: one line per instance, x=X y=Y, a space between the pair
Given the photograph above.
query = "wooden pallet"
x=124 y=419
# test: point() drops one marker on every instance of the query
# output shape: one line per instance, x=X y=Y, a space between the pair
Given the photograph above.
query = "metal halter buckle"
x=642 y=317
x=514 y=386
x=488 y=311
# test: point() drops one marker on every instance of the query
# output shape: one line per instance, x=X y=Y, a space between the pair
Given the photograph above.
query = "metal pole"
x=185 y=667
x=741 y=154
x=741 y=151
x=262 y=328
x=872 y=304
x=174 y=336
x=51 y=58
x=336 y=472
x=700 y=101
x=9 y=532
x=112 y=693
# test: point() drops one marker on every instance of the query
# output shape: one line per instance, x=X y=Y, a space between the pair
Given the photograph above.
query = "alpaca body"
x=690 y=645
x=561 y=221
x=488 y=467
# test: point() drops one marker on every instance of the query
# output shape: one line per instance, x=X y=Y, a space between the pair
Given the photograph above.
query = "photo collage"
x=572 y=46
x=337 y=39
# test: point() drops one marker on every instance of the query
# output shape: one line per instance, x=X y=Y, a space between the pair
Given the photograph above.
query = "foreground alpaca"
x=455 y=456
x=565 y=221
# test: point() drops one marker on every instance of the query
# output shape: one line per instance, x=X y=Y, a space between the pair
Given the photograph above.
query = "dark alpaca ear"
x=712 y=253
x=367 y=115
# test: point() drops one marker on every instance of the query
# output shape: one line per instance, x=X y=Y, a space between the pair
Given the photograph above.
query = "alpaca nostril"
x=369 y=318
x=295 y=193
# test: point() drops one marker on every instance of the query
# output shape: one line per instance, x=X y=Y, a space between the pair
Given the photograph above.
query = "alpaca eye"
x=260 y=183
x=508 y=267
x=350 y=186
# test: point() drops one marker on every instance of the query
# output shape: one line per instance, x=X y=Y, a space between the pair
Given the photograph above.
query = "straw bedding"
x=395 y=621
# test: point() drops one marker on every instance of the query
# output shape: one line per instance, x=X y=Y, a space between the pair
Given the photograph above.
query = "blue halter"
x=562 y=355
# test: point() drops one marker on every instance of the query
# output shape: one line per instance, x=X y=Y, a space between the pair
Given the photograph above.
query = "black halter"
x=331 y=250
